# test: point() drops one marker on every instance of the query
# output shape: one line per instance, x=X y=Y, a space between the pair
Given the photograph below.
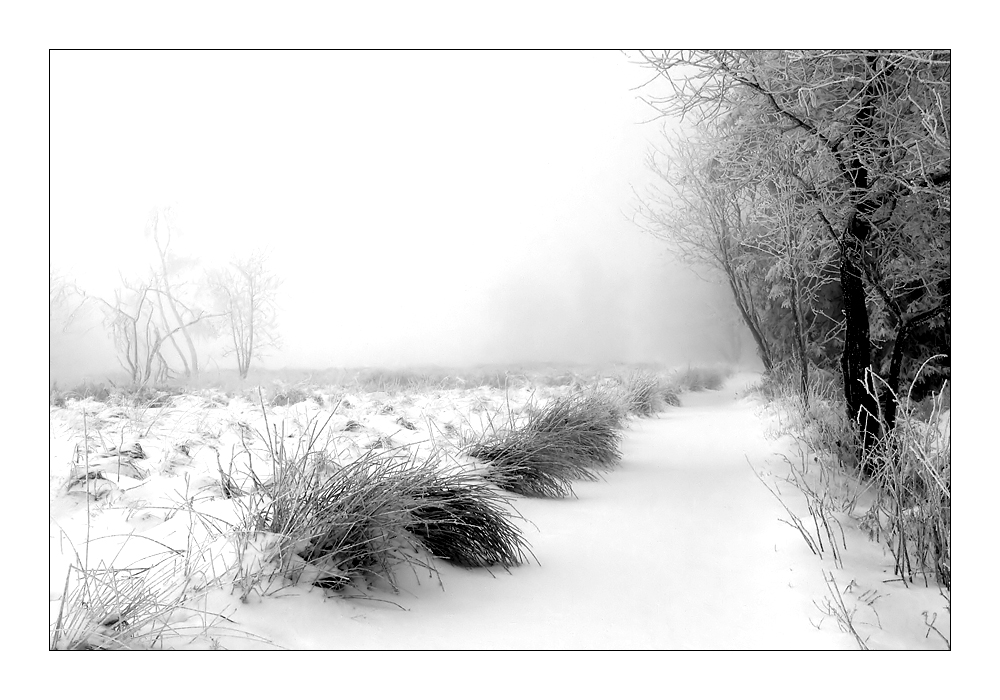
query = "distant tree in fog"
x=147 y=316
x=60 y=310
x=704 y=217
x=60 y=290
x=138 y=329
x=245 y=293
x=172 y=310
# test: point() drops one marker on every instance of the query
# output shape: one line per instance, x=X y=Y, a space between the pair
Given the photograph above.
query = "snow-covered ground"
x=680 y=547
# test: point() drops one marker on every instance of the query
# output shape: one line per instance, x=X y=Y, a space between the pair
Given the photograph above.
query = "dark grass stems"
x=463 y=521
x=585 y=425
x=357 y=523
x=528 y=467
x=342 y=523
x=669 y=396
x=614 y=404
x=644 y=395
x=570 y=438
x=532 y=463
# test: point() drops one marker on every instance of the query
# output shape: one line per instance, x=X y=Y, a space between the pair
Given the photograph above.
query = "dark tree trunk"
x=856 y=362
x=890 y=397
x=800 y=342
x=859 y=386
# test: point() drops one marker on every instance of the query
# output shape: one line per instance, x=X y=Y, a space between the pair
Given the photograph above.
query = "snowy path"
x=680 y=547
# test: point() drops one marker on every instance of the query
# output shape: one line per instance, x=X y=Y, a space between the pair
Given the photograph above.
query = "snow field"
x=679 y=547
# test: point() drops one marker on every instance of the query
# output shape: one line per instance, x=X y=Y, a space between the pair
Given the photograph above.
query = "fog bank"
x=441 y=208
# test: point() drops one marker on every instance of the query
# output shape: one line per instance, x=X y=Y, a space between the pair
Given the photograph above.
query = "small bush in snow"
x=85 y=390
x=288 y=396
x=670 y=397
x=700 y=378
x=646 y=396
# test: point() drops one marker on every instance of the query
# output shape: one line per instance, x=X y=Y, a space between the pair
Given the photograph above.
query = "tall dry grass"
x=573 y=437
x=357 y=524
x=902 y=485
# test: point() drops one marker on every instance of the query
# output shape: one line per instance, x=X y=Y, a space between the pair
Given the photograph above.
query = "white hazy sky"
x=421 y=207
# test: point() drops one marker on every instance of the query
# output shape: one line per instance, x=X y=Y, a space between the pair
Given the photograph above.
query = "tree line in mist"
x=157 y=320
x=817 y=185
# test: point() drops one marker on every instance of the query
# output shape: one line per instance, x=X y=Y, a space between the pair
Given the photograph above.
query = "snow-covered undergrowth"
x=314 y=516
x=897 y=495
x=169 y=512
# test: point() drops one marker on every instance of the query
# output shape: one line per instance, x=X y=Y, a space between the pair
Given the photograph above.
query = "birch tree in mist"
x=135 y=323
x=171 y=308
x=246 y=291
x=147 y=315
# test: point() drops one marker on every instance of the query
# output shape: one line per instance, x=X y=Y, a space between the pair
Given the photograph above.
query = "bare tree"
x=180 y=314
x=146 y=316
x=60 y=292
x=701 y=215
x=60 y=311
x=136 y=329
x=246 y=294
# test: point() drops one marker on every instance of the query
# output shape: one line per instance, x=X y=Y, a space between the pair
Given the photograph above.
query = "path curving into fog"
x=680 y=547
